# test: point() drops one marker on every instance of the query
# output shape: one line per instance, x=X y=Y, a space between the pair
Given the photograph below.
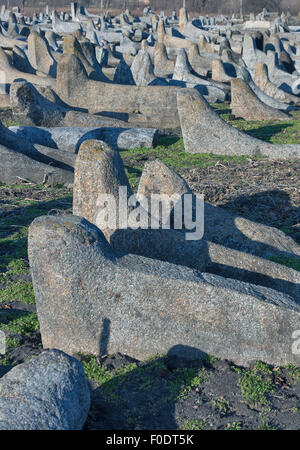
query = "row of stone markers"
x=46 y=154
x=74 y=71
x=148 y=51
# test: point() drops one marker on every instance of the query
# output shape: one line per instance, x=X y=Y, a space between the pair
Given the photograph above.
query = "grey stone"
x=69 y=139
x=93 y=300
x=22 y=160
x=34 y=105
x=282 y=79
x=153 y=106
x=99 y=170
x=205 y=132
x=261 y=78
x=232 y=241
x=210 y=90
x=246 y=104
x=50 y=392
x=12 y=74
x=123 y=74
x=39 y=54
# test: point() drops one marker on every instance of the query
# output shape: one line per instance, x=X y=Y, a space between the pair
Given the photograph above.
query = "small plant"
x=266 y=426
x=184 y=381
x=260 y=366
x=12 y=343
x=195 y=425
x=234 y=426
x=211 y=359
x=109 y=380
x=222 y=405
x=293 y=372
x=20 y=290
x=256 y=383
x=20 y=323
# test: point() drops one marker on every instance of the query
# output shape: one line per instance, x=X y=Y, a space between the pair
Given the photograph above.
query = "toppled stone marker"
x=93 y=300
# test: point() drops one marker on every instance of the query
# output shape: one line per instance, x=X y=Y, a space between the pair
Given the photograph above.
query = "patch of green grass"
x=222 y=405
x=20 y=323
x=295 y=410
x=109 y=380
x=256 y=383
x=264 y=423
x=183 y=381
x=11 y=123
x=260 y=366
x=20 y=290
x=276 y=132
x=17 y=266
x=12 y=343
x=211 y=359
x=5 y=360
x=170 y=150
x=292 y=372
x=287 y=261
x=195 y=425
x=234 y=426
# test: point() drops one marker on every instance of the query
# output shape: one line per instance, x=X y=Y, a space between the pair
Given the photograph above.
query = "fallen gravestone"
x=93 y=300
x=233 y=242
x=205 y=132
x=246 y=104
x=69 y=139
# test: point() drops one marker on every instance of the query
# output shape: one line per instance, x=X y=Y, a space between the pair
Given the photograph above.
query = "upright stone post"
x=183 y=19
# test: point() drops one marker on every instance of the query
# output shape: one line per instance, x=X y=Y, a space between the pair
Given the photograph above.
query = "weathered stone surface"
x=69 y=139
x=290 y=83
x=205 y=132
x=142 y=69
x=210 y=90
x=31 y=108
x=239 y=240
x=163 y=66
x=50 y=392
x=219 y=72
x=154 y=105
x=16 y=167
x=123 y=74
x=11 y=73
x=200 y=64
x=270 y=101
x=64 y=27
x=261 y=78
x=92 y=300
x=39 y=54
x=71 y=46
x=247 y=267
x=22 y=160
x=20 y=60
x=251 y=54
x=34 y=105
x=51 y=39
x=99 y=170
x=245 y=104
